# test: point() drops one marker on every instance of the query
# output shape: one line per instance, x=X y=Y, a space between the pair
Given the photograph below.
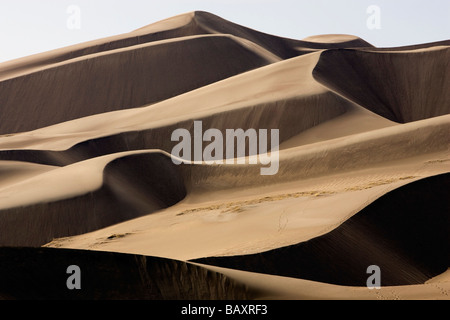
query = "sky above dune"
x=32 y=26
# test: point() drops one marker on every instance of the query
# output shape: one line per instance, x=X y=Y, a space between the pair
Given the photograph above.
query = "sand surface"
x=363 y=173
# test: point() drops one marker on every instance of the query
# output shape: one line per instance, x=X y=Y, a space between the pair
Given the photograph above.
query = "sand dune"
x=406 y=236
x=109 y=276
x=184 y=25
x=402 y=86
x=140 y=68
x=125 y=78
x=362 y=175
x=13 y=171
x=87 y=196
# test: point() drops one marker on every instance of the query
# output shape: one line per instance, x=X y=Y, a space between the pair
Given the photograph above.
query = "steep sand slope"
x=283 y=288
x=402 y=86
x=362 y=169
x=135 y=69
x=285 y=89
x=109 y=276
x=183 y=25
x=87 y=196
x=134 y=194
x=405 y=233
x=215 y=219
x=121 y=79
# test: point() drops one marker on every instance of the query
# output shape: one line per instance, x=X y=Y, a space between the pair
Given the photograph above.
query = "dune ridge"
x=138 y=65
x=408 y=240
x=129 y=79
x=128 y=188
x=401 y=86
x=364 y=154
x=110 y=276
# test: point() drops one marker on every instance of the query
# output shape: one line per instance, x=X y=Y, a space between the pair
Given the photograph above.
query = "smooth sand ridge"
x=130 y=77
x=75 y=67
x=258 y=94
x=183 y=25
x=298 y=163
x=110 y=276
x=399 y=232
x=401 y=86
x=434 y=109
x=187 y=24
x=179 y=26
x=392 y=242
x=283 y=47
x=270 y=287
x=13 y=171
x=87 y=196
x=410 y=47
x=73 y=186
x=174 y=280
x=332 y=41
x=276 y=82
x=354 y=185
x=213 y=221
x=357 y=151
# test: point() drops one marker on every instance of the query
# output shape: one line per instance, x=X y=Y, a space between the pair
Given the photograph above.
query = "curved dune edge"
x=13 y=171
x=131 y=77
x=385 y=83
x=146 y=277
x=295 y=164
x=184 y=25
x=251 y=90
x=362 y=177
x=40 y=274
x=272 y=287
x=88 y=196
x=220 y=221
x=45 y=138
x=265 y=286
x=405 y=233
x=338 y=40
x=128 y=65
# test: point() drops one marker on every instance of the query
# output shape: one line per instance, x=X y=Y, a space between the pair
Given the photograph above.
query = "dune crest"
x=363 y=166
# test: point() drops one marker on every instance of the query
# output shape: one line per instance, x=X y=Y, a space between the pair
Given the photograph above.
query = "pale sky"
x=33 y=26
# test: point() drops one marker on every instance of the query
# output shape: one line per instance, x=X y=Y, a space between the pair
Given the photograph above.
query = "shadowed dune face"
x=294 y=115
x=132 y=186
x=135 y=70
x=405 y=232
x=282 y=47
x=85 y=152
x=189 y=24
x=120 y=80
x=401 y=86
x=40 y=274
x=185 y=25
